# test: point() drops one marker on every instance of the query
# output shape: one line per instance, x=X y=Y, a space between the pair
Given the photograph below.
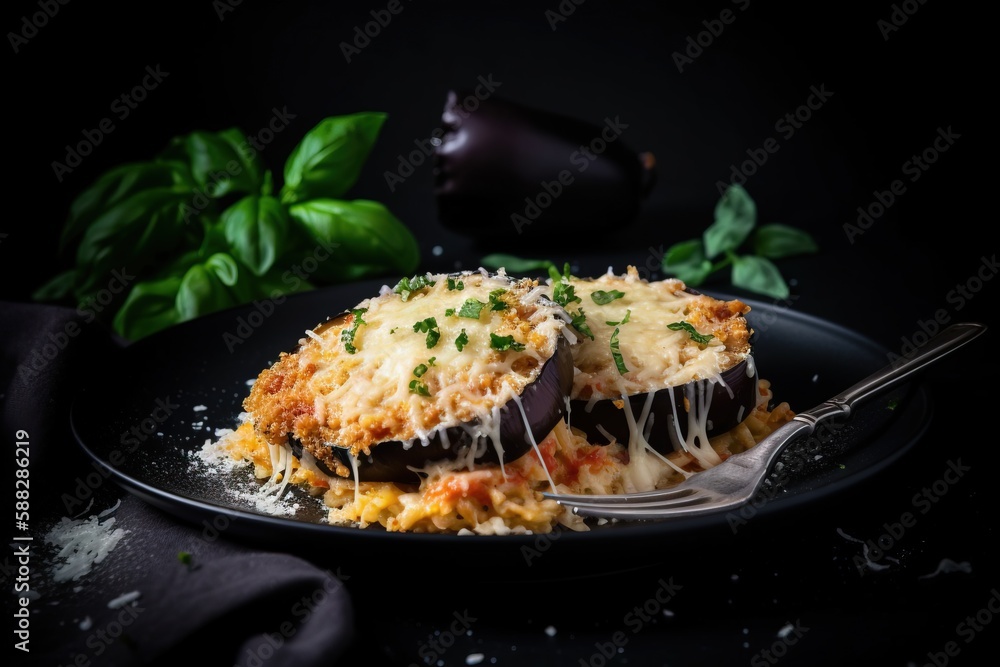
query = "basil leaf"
x=256 y=228
x=687 y=262
x=735 y=217
x=702 y=339
x=512 y=263
x=150 y=306
x=601 y=297
x=362 y=237
x=58 y=288
x=131 y=234
x=205 y=288
x=224 y=162
x=328 y=159
x=117 y=185
x=760 y=275
x=775 y=241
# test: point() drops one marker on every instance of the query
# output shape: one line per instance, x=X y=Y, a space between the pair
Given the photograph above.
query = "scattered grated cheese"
x=474 y=658
x=123 y=600
x=82 y=543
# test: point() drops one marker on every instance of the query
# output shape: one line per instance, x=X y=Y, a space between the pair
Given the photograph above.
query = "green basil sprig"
x=200 y=227
x=735 y=225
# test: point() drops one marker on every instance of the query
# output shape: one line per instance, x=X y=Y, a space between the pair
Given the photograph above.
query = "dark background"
x=890 y=98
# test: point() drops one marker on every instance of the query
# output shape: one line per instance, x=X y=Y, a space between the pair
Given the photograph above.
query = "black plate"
x=155 y=407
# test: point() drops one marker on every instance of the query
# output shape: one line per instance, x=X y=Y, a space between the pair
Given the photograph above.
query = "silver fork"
x=736 y=480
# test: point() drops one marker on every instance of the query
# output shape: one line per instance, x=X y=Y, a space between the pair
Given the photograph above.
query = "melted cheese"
x=655 y=356
x=326 y=394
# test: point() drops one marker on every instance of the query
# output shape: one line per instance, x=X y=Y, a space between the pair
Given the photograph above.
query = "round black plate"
x=154 y=408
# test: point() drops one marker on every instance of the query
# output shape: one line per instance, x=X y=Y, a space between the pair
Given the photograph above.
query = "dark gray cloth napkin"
x=168 y=592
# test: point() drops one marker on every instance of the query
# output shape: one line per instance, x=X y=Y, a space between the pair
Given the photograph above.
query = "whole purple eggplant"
x=507 y=171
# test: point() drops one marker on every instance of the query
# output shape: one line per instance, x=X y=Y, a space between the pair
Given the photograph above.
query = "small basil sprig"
x=200 y=227
x=735 y=224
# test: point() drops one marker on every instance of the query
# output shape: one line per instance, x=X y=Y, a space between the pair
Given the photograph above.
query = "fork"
x=735 y=481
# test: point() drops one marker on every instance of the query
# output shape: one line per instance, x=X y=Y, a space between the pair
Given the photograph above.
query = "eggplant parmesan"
x=660 y=364
x=451 y=402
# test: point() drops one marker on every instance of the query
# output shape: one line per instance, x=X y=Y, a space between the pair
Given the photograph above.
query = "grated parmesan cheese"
x=82 y=543
x=123 y=600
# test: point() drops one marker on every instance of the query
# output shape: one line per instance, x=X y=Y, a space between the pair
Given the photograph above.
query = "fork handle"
x=896 y=372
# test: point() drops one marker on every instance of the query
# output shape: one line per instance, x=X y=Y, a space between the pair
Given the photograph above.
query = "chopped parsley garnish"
x=184 y=557
x=418 y=387
x=347 y=335
x=624 y=320
x=430 y=327
x=496 y=303
x=471 y=309
x=407 y=286
x=503 y=343
x=579 y=323
x=601 y=297
x=701 y=339
x=462 y=340
x=616 y=353
x=564 y=294
x=455 y=285
x=448 y=312
x=893 y=404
